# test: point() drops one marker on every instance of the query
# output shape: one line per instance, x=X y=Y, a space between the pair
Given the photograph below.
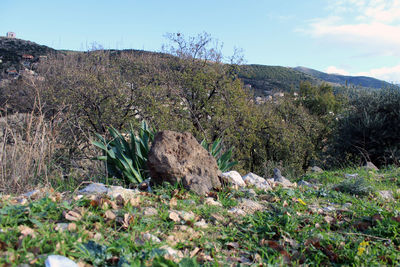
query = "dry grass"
x=27 y=145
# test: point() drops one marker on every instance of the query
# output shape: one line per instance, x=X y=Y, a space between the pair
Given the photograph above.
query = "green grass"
x=294 y=227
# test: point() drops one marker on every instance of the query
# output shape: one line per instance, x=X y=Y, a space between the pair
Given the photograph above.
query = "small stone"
x=250 y=192
x=351 y=176
x=386 y=194
x=347 y=205
x=170 y=252
x=150 y=211
x=186 y=215
x=279 y=179
x=329 y=209
x=174 y=216
x=94 y=188
x=303 y=183
x=218 y=218
x=210 y=201
x=150 y=237
x=250 y=206
x=31 y=193
x=59 y=261
x=370 y=166
x=233 y=177
x=61 y=227
x=316 y=169
x=236 y=211
x=257 y=181
x=201 y=224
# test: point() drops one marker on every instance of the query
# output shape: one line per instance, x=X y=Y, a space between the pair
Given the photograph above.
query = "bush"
x=370 y=130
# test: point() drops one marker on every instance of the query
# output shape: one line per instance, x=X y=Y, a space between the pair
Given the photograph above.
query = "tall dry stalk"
x=27 y=144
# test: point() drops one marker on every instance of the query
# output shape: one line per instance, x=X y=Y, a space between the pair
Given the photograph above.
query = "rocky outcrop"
x=178 y=157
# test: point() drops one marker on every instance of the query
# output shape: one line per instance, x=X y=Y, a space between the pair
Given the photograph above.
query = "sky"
x=350 y=37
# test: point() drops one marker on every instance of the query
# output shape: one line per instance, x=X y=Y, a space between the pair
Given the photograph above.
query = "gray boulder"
x=178 y=157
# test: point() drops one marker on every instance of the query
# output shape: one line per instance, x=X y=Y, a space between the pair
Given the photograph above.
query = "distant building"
x=26 y=56
x=10 y=35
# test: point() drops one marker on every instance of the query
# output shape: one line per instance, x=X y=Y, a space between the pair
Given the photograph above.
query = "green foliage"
x=358 y=186
x=126 y=159
x=223 y=159
x=370 y=129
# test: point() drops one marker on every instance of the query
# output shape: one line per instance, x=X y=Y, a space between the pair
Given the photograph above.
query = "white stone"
x=237 y=211
x=250 y=206
x=95 y=188
x=234 y=178
x=211 y=202
x=150 y=237
x=59 y=261
x=126 y=194
x=201 y=224
x=386 y=194
x=150 y=211
x=257 y=181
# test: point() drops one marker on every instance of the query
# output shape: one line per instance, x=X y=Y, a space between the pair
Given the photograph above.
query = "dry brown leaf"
x=173 y=202
x=113 y=204
x=72 y=216
x=109 y=215
x=72 y=227
x=135 y=201
x=174 y=216
x=285 y=204
x=194 y=252
x=25 y=231
x=128 y=219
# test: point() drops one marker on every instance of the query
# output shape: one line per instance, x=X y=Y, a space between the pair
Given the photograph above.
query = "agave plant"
x=223 y=161
x=126 y=159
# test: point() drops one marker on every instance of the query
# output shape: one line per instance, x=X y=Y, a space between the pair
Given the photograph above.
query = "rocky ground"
x=346 y=217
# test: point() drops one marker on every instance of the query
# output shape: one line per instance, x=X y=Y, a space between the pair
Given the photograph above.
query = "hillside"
x=344 y=80
x=264 y=79
x=12 y=51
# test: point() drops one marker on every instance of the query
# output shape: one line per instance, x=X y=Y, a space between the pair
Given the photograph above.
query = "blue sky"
x=355 y=37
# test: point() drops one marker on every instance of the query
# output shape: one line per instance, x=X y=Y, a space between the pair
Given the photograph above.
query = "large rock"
x=178 y=157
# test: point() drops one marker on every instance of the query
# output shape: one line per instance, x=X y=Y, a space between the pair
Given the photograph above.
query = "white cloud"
x=335 y=70
x=389 y=74
x=372 y=26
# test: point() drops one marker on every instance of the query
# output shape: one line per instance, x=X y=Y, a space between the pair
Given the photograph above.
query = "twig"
x=370 y=236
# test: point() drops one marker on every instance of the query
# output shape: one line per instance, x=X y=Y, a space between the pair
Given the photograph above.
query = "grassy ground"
x=342 y=222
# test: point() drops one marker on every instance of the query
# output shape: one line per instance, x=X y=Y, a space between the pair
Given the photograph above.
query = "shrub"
x=371 y=128
x=126 y=159
x=223 y=159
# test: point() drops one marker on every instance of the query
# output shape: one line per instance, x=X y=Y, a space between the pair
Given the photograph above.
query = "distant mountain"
x=344 y=80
